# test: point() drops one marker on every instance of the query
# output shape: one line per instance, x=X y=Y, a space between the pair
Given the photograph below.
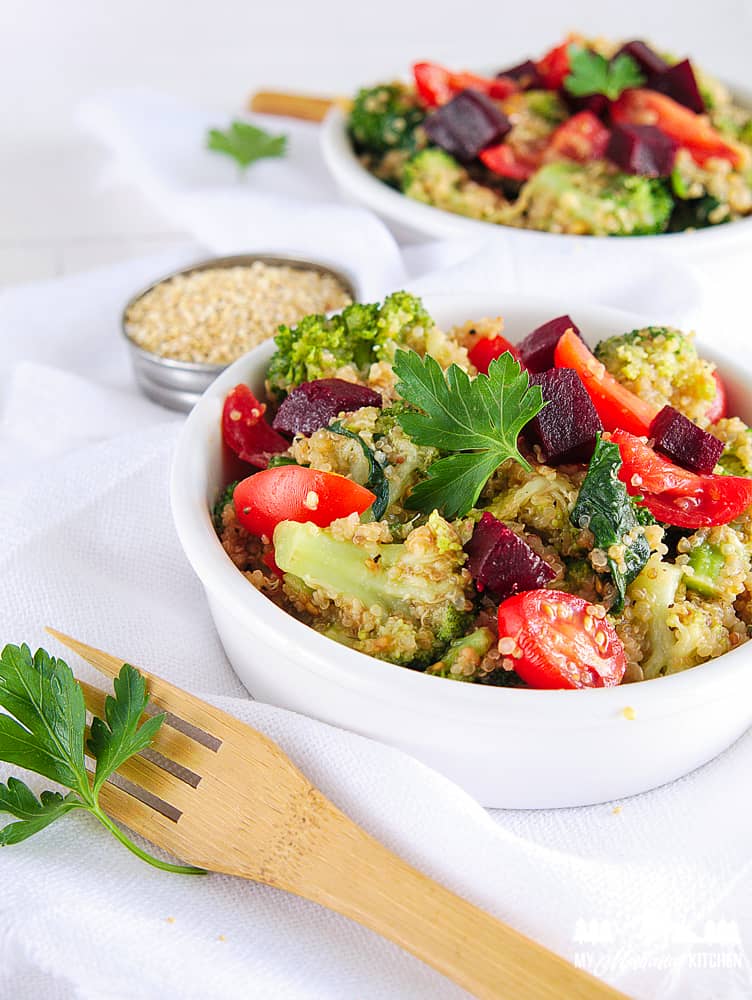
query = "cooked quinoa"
x=216 y=315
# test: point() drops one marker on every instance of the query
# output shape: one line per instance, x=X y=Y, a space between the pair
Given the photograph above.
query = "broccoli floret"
x=402 y=602
x=436 y=178
x=546 y=104
x=660 y=364
x=224 y=498
x=319 y=346
x=384 y=118
x=593 y=199
x=463 y=657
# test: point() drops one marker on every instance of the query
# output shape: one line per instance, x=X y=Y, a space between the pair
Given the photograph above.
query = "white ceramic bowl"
x=411 y=219
x=507 y=746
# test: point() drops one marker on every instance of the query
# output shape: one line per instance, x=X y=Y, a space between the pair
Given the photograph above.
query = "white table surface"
x=60 y=209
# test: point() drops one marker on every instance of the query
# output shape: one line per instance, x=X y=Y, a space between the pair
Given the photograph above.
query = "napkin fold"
x=652 y=893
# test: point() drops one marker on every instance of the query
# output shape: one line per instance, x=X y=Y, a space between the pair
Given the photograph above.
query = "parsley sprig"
x=246 y=143
x=477 y=420
x=45 y=732
x=591 y=73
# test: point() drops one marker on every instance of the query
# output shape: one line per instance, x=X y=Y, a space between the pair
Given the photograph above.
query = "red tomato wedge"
x=436 y=85
x=503 y=160
x=245 y=430
x=674 y=495
x=583 y=137
x=553 y=68
x=719 y=407
x=293 y=493
x=616 y=406
x=693 y=132
x=560 y=641
x=432 y=83
x=486 y=349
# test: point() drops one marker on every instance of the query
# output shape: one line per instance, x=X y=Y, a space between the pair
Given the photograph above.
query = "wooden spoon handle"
x=304 y=106
x=362 y=879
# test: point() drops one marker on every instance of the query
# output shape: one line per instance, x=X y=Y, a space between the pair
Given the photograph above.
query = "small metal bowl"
x=179 y=384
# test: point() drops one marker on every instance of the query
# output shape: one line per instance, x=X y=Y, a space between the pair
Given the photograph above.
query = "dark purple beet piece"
x=526 y=74
x=537 y=349
x=642 y=149
x=467 y=124
x=565 y=429
x=679 y=82
x=313 y=404
x=646 y=58
x=502 y=562
x=596 y=103
x=684 y=442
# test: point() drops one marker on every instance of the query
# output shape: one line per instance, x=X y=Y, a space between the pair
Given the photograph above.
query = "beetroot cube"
x=565 y=429
x=503 y=563
x=537 y=349
x=642 y=149
x=646 y=58
x=467 y=124
x=312 y=405
x=684 y=442
x=596 y=103
x=679 y=81
x=526 y=74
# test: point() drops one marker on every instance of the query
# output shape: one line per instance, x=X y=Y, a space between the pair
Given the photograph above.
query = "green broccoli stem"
x=706 y=561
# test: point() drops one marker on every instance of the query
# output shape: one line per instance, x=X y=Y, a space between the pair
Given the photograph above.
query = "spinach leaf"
x=604 y=506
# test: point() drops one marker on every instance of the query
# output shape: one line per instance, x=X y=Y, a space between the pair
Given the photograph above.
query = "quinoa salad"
x=594 y=138
x=533 y=514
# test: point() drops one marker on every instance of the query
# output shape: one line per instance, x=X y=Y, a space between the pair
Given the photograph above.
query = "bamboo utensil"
x=222 y=796
x=304 y=106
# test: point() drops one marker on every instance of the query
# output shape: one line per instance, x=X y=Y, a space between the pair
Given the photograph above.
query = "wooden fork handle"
x=304 y=106
x=365 y=881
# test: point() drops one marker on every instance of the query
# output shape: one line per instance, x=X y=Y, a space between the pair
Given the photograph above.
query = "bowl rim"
x=380 y=680
x=275 y=259
x=357 y=182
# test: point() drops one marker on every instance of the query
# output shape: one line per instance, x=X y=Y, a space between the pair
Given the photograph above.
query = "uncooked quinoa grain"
x=215 y=316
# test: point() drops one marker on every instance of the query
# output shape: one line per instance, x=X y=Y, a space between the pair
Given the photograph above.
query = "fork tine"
x=172 y=699
x=168 y=742
x=142 y=819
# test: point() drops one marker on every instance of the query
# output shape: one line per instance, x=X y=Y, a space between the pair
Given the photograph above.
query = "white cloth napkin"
x=654 y=897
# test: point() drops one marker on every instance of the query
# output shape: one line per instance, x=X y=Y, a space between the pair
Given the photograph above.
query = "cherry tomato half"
x=582 y=138
x=293 y=493
x=615 y=404
x=719 y=407
x=692 y=131
x=674 y=495
x=553 y=68
x=246 y=432
x=560 y=642
x=486 y=349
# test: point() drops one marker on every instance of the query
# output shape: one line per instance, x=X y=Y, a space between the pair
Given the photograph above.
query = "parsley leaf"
x=478 y=420
x=245 y=143
x=45 y=731
x=592 y=73
x=604 y=506
x=33 y=813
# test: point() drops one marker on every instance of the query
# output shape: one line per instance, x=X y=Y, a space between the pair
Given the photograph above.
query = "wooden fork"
x=303 y=106
x=237 y=804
